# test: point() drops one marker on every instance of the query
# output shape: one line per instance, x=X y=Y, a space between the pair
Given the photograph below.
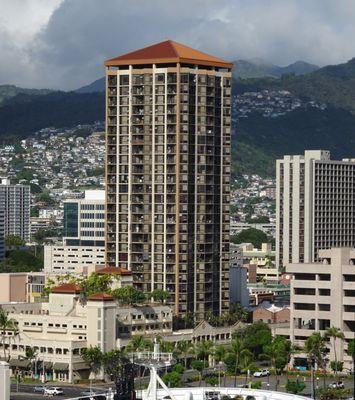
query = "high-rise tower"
x=315 y=206
x=168 y=172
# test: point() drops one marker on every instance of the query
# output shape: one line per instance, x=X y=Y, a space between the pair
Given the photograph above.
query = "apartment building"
x=83 y=235
x=315 y=206
x=322 y=296
x=60 y=328
x=15 y=208
x=2 y=234
x=168 y=172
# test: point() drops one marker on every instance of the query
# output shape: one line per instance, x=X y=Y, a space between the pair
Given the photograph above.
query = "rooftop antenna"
x=154 y=361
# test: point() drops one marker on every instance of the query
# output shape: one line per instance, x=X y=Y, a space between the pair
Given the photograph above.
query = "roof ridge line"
x=172 y=43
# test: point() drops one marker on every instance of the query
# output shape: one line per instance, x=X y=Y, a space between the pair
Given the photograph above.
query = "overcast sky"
x=63 y=43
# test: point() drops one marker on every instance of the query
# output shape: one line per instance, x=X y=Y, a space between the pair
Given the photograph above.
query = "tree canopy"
x=250 y=235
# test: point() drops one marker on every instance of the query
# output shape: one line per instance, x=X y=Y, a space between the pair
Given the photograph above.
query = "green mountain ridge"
x=256 y=141
x=334 y=85
x=259 y=69
x=9 y=91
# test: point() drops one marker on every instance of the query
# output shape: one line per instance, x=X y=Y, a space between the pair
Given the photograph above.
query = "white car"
x=262 y=372
x=53 y=391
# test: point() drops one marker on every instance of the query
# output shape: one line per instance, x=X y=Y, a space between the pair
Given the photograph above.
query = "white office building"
x=15 y=206
x=83 y=242
x=315 y=206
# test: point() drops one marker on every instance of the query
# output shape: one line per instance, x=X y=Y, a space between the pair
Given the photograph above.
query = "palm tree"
x=278 y=353
x=334 y=333
x=203 y=350
x=246 y=363
x=6 y=324
x=30 y=355
x=219 y=352
x=138 y=343
x=238 y=350
x=165 y=347
x=94 y=357
x=316 y=349
x=184 y=349
x=351 y=352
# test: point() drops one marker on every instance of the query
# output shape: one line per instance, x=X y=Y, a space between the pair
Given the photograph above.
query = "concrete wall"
x=4 y=381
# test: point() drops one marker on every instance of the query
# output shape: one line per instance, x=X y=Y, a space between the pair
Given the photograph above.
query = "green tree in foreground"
x=295 y=386
x=198 y=365
x=335 y=333
x=30 y=355
x=6 y=324
x=139 y=343
x=172 y=379
x=184 y=349
x=255 y=336
x=278 y=353
x=94 y=357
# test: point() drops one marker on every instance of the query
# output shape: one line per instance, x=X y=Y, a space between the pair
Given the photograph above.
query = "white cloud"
x=65 y=43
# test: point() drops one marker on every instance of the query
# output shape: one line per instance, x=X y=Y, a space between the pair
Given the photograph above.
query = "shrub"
x=179 y=368
x=255 y=385
x=211 y=380
x=295 y=386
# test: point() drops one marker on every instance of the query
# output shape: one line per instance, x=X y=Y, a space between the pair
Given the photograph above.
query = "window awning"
x=47 y=365
x=14 y=362
x=61 y=366
x=80 y=366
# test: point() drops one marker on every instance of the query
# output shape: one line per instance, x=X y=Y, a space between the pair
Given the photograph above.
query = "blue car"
x=39 y=389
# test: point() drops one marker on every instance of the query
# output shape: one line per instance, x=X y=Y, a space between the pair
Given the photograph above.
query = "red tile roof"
x=114 y=271
x=100 y=297
x=69 y=288
x=168 y=52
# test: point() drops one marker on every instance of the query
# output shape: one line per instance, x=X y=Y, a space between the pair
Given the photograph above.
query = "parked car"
x=39 y=389
x=262 y=372
x=337 y=385
x=53 y=391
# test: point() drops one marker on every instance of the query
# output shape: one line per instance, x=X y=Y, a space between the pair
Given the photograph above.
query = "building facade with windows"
x=315 y=206
x=168 y=173
x=2 y=234
x=83 y=235
x=59 y=329
x=323 y=296
x=15 y=208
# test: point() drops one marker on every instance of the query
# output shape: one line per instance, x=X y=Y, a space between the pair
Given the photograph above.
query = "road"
x=71 y=391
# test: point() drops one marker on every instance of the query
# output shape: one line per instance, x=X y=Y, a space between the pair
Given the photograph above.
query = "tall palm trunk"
x=335 y=358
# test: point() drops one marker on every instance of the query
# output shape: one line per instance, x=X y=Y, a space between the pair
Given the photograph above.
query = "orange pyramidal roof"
x=168 y=52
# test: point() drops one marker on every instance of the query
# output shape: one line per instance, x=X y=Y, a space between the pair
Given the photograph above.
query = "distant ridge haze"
x=255 y=68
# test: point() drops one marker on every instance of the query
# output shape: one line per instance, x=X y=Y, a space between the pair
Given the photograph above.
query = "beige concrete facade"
x=322 y=296
x=21 y=286
x=60 y=328
x=168 y=169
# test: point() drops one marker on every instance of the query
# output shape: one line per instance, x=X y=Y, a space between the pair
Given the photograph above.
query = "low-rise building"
x=271 y=314
x=59 y=329
x=323 y=296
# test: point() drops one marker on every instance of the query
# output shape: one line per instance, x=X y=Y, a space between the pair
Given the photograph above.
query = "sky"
x=62 y=44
